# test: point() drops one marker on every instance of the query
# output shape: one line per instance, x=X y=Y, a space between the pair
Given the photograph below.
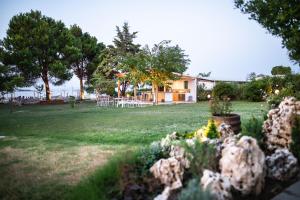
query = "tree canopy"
x=114 y=56
x=280 y=18
x=39 y=47
x=10 y=78
x=86 y=57
x=281 y=70
x=164 y=62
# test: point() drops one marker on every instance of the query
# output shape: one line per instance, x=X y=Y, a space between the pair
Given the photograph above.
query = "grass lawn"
x=49 y=149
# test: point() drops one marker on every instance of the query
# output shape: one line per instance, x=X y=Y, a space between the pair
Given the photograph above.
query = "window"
x=186 y=85
x=160 y=88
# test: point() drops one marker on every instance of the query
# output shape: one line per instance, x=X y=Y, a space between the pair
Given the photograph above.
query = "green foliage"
x=222 y=90
x=39 y=47
x=103 y=85
x=202 y=93
x=114 y=56
x=148 y=156
x=163 y=60
x=194 y=191
x=283 y=22
x=295 y=145
x=220 y=108
x=202 y=156
x=256 y=90
x=86 y=54
x=211 y=130
x=253 y=128
x=281 y=70
x=10 y=78
x=72 y=101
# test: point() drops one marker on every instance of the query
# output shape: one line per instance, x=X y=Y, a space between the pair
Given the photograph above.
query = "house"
x=182 y=90
x=209 y=84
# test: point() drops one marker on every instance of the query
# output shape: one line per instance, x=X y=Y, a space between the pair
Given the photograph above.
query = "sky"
x=217 y=37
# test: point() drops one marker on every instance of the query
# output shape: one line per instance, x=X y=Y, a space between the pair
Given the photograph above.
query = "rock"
x=164 y=195
x=225 y=130
x=218 y=185
x=243 y=163
x=166 y=142
x=282 y=165
x=170 y=173
x=278 y=127
x=179 y=154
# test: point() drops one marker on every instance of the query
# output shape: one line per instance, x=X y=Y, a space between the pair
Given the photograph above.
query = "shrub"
x=193 y=191
x=72 y=101
x=222 y=90
x=202 y=156
x=256 y=90
x=148 y=156
x=295 y=146
x=253 y=128
x=221 y=108
x=211 y=130
x=202 y=93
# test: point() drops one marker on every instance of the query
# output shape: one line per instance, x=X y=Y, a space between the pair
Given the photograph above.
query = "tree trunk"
x=46 y=82
x=47 y=88
x=81 y=89
x=135 y=91
x=155 y=89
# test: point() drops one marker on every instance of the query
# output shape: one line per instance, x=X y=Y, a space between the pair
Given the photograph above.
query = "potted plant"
x=221 y=111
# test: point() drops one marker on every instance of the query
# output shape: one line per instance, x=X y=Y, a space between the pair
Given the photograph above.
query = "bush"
x=256 y=90
x=194 y=191
x=202 y=156
x=211 y=130
x=295 y=146
x=72 y=101
x=202 y=93
x=148 y=156
x=222 y=90
x=220 y=108
x=253 y=128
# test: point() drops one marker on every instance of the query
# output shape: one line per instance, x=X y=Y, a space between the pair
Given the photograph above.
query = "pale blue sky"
x=215 y=35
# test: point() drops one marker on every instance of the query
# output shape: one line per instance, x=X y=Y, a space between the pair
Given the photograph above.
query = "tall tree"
x=164 y=63
x=10 y=78
x=122 y=48
x=38 y=46
x=280 y=18
x=281 y=70
x=85 y=60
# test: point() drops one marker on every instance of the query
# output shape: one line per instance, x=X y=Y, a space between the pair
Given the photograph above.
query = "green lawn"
x=49 y=149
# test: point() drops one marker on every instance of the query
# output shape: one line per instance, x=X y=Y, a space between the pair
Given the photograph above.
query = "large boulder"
x=170 y=173
x=218 y=185
x=278 y=127
x=180 y=154
x=282 y=165
x=243 y=162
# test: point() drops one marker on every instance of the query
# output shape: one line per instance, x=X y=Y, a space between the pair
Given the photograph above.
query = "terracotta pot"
x=234 y=120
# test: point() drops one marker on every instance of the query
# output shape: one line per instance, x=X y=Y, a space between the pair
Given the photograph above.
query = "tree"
x=162 y=63
x=115 y=54
x=281 y=70
x=38 y=46
x=252 y=76
x=10 y=78
x=204 y=75
x=103 y=85
x=280 y=17
x=84 y=62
